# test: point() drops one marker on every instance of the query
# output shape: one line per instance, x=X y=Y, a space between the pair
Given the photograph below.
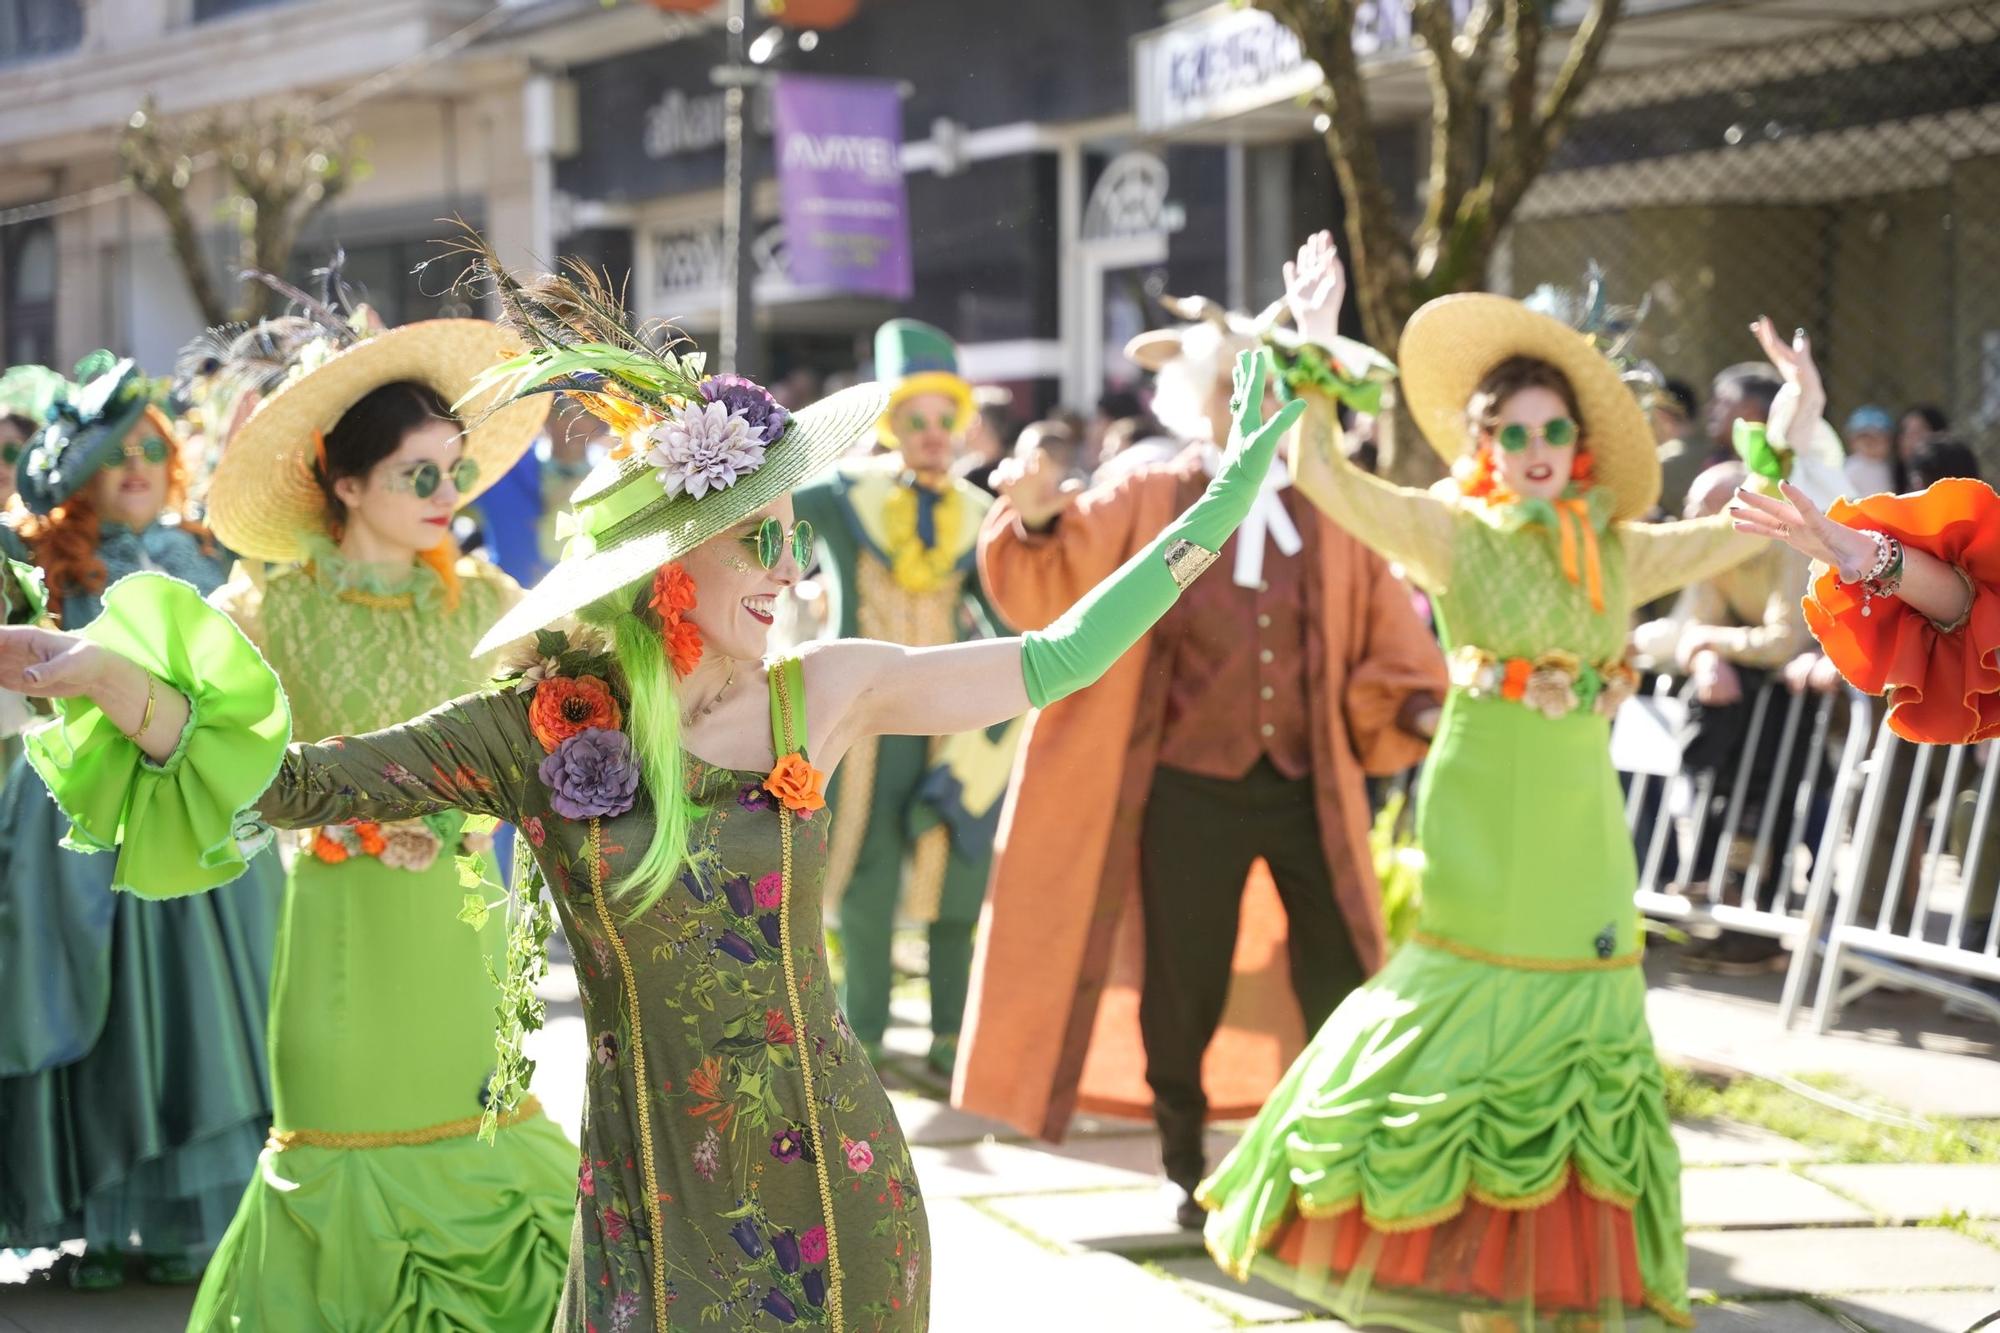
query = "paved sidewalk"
x=1079 y=1238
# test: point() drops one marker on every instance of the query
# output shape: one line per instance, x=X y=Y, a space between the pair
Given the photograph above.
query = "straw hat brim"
x=263 y=501
x=817 y=437
x=1452 y=343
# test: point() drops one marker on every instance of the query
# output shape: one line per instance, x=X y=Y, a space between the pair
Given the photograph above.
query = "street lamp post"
x=738 y=350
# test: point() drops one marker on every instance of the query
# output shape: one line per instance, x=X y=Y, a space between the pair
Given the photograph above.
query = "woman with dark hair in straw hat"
x=741 y=1162
x=1478 y=1137
x=375 y=1204
x=116 y=1117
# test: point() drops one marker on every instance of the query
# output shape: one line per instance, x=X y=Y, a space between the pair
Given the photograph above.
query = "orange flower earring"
x=673 y=597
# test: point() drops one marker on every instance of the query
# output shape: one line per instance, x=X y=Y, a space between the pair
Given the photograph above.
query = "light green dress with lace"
x=1494 y=1091
x=375 y=1206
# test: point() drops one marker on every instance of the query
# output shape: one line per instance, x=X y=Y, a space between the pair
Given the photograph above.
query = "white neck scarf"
x=1268 y=520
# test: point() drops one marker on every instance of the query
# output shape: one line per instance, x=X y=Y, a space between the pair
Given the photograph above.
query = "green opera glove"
x=1083 y=643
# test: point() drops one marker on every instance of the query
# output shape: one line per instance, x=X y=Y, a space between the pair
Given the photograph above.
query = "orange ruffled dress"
x=1943 y=686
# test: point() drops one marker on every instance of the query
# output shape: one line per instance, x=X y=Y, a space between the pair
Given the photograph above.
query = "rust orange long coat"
x=1053 y=1021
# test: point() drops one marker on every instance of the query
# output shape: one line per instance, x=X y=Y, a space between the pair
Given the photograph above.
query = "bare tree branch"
x=1378 y=250
x=158 y=162
x=1557 y=109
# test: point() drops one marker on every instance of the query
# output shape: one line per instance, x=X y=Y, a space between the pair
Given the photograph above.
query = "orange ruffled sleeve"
x=1942 y=688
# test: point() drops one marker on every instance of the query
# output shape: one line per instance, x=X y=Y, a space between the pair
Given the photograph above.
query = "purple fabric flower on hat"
x=749 y=400
x=591 y=775
x=703 y=447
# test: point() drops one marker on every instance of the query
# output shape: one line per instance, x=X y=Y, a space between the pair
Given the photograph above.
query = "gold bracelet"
x=152 y=687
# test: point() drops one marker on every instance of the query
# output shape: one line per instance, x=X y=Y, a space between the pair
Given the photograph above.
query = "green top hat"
x=86 y=429
x=912 y=358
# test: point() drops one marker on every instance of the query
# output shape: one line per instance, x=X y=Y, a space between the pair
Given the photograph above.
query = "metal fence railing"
x=1730 y=846
x=1916 y=901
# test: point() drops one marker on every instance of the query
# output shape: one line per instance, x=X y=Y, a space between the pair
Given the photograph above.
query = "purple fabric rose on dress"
x=749 y=400
x=591 y=775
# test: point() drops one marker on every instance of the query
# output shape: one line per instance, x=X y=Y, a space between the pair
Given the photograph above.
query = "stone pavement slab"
x=1131 y=1221
x=1723 y=1143
x=1760 y=1196
x=1903 y=1049
x=1254 y=1302
x=929 y=1120
x=989 y=1279
x=1839 y=1259
x=977 y=1169
x=1917 y=1193
x=1920 y=1311
x=1761 y=1317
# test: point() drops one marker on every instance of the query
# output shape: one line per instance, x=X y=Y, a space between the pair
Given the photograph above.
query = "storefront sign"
x=838 y=144
x=682 y=268
x=1130 y=201
x=1225 y=61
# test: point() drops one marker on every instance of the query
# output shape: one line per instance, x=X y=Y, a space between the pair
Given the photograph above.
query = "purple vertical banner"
x=838 y=145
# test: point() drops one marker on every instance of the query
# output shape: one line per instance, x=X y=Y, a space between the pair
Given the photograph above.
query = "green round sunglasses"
x=1556 y=432
x=769 y=537
x=423 y=479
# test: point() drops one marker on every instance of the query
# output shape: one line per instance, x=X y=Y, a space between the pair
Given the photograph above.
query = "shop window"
x=31 y=29
x=28 y=261
x=204 y=10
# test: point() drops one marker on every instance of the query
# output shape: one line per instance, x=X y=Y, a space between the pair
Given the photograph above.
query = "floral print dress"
x=742 y=1166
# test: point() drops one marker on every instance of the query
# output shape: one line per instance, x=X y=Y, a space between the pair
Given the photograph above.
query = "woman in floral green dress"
x=742 y=1167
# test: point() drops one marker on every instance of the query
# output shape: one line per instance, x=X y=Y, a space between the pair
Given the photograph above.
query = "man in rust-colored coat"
x=1182 y=884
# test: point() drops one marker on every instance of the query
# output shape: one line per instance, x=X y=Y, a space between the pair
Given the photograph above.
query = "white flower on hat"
x=703 y=447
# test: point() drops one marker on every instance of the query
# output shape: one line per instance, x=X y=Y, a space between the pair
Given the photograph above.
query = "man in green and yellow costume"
x=913 y=816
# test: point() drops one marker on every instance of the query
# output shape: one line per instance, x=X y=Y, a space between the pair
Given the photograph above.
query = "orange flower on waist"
x=372 y=841
x=797 y=784
x=1515 y=684
x=327 y=849
x=566 y=705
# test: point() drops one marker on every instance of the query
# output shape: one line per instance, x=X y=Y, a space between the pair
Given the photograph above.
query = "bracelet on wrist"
x=1884 y=576
x=152 y=698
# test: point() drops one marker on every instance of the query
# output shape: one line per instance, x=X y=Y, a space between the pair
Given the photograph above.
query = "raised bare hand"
x=1034 y=484
x=1798 y=522
x=1315 y=287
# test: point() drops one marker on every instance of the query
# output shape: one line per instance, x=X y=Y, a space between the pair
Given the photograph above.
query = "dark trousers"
x=1199 y=839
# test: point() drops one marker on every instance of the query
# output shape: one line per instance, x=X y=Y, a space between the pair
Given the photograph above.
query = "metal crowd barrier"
x=1939 y=934
x=1677 y=807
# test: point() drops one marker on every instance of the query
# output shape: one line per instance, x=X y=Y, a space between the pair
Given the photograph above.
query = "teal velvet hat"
x=86 y=429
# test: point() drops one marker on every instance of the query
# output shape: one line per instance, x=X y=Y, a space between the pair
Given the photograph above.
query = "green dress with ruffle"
x=134 y=1092
x=1478 y=1137
x=375 y=1206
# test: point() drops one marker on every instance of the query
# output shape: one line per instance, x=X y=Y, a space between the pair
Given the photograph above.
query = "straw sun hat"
x=264 y=501
x=1452 y=343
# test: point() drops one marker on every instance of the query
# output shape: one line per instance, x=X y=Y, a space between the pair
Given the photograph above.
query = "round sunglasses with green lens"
x=1557 y=433
x=152 y=449
x=768 y=541
x=424 y=479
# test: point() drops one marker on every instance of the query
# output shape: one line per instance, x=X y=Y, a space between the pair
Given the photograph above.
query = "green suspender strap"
x=788 y=708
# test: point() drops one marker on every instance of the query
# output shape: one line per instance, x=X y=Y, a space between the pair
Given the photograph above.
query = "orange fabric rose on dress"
x=565 y=705
x=797 y=784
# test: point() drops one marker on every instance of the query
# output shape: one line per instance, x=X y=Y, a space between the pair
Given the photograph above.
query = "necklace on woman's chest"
x=698 y=714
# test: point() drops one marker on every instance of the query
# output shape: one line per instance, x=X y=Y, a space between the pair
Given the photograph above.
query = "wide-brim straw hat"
x=1452 y=343
x=264 y=501
x=618 y=536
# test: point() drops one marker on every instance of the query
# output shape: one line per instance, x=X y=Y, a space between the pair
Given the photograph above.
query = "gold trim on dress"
x=281 y=1139
x=649 y=1178
x=798 y=1021
x=1466 y=951
x=1186 y=561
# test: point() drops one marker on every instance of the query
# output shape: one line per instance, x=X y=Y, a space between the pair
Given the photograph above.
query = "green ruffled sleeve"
x=175 y=824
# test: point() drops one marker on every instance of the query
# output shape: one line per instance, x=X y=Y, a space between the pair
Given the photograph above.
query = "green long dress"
x=375 y=1207
x=1480 y=1132
x=742 y=1167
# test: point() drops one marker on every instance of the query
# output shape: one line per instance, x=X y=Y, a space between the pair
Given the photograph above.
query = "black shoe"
x=1189 y=1215
x=1735 y=954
